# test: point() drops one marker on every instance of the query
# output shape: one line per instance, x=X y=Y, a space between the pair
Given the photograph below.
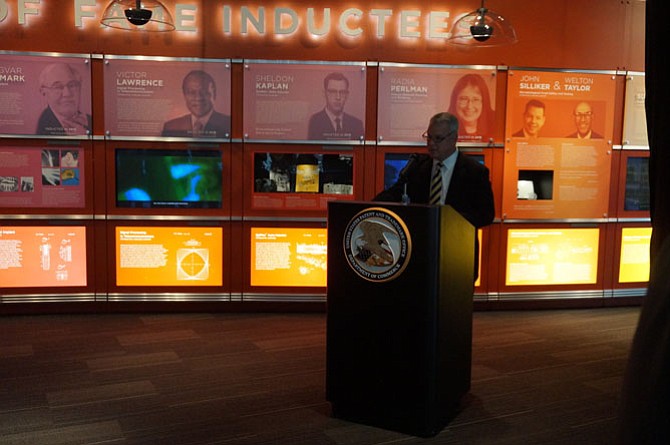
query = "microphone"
x=402 y=176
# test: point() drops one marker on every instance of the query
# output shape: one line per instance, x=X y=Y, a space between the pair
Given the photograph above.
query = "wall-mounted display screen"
x=304 y=173
x=294 y=257
x=168 y=178
x=637 y=184
x=634 y=260
x=169 y=256
x=552 y=256
x=42 y=256
x=42 y=177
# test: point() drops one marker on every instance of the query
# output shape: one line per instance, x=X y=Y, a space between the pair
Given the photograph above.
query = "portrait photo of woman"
x=471 y=103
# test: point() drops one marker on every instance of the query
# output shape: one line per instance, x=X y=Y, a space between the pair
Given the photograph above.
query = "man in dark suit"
x=533 y=119
x=332 y=122
x=465 y=182
x=583 y=115
x=60 y=84
x=203 y=120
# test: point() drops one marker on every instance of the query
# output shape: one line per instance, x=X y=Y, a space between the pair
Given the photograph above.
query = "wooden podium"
x=399 y=324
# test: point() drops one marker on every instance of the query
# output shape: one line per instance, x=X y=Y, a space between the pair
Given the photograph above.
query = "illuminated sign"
x=634 y=260
x=169 y=256
x=37 y=256
x=288 y=256
x=552 y=256
x=317 y=22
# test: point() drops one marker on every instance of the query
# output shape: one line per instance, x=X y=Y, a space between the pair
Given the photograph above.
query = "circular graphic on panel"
x=192 y=264
x=377 y=244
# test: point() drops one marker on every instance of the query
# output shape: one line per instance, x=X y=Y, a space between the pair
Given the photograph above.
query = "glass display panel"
x=634 y=260
x=637 y=184
x=169 y=256
x=42 y=256
x=42 y=177
x=558 y=153
x=303 y=173
x=552 y=256
x=288 y=256
x=168 y=178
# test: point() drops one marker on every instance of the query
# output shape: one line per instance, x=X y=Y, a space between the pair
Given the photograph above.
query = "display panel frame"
x=69 y=78
x=215 y=213
x=553 y=290
x=75 y=178
x=546 y=113
x=283 y=101
x=128 y=291
x=637 y=245
x=410 y=94
x=278 y=292
x=59 y=253
x=196 y=85
x=292 y=203
x=624 y=189
x=634 y=112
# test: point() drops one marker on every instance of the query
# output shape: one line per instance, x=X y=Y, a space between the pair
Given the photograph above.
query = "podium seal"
x=377 y=244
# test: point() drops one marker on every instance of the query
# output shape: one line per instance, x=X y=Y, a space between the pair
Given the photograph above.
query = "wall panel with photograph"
x=171 y=98
x=559 y=131
x=45 y=95
x=408 y=95
x=288 y=101
x=47 y=177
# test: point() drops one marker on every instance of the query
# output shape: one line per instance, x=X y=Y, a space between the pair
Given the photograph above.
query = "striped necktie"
x=198 y=127
x=436 y=185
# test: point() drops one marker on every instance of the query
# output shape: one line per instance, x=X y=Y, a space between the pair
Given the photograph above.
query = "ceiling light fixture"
x=482 y=27
x=138 y=15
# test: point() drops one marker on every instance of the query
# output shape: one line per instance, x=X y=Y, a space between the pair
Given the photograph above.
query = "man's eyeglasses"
x=59 y=86
x=435 y=139
x=332 y=92
x=585 y=115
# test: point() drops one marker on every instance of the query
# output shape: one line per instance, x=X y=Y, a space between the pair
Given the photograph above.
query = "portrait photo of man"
x=199 y=89
x=332 y=122
x=534 y=118
x=583 y=116
x=60 y=85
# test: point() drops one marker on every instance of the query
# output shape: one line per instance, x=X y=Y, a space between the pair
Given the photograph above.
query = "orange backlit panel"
x=169 y=256
x=36 y=256
x=634 y=261
x=288 y=256
x=552 y=256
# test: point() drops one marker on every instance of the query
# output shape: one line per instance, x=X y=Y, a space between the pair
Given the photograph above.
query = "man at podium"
x=445 y=176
